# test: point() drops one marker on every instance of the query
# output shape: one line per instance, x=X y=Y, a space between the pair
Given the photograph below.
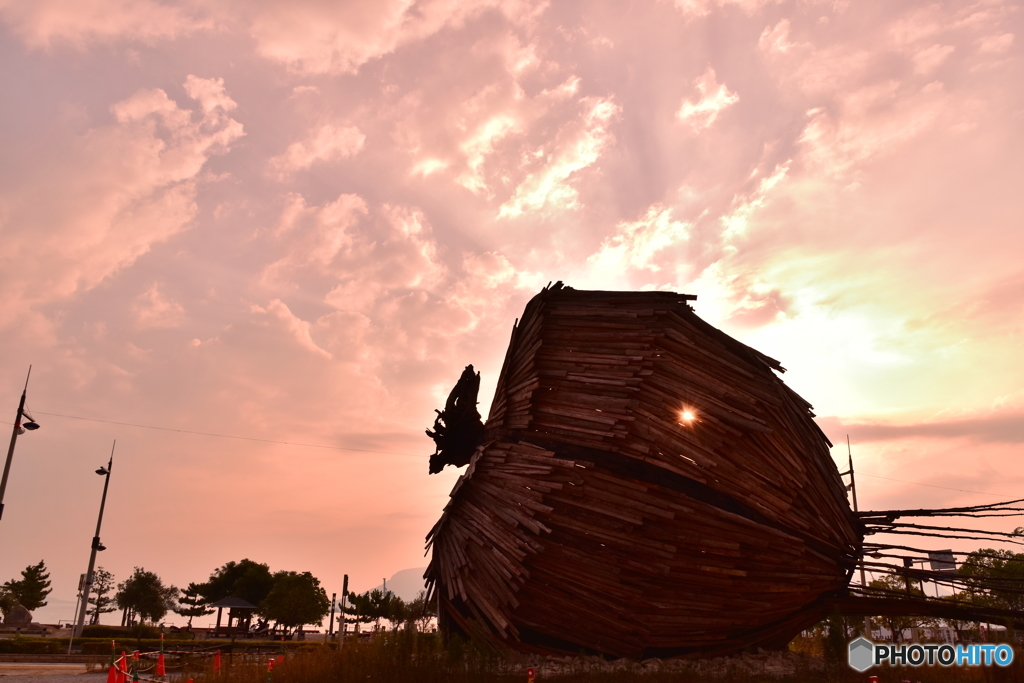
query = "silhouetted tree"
x=420 y=611
x=32 y=589
x=995 y=577
x=376 y=605
x=296 y=599
x=191 y=603
x=247 y=580
x=100 y=598
x=144 y=595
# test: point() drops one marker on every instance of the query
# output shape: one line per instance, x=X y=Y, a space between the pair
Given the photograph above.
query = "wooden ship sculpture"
x=646 y=485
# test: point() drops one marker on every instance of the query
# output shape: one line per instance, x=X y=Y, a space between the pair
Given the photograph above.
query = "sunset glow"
x=278 y=232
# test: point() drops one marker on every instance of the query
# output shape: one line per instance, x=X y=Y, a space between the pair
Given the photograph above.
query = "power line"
x=225 y=436
x=933 y=486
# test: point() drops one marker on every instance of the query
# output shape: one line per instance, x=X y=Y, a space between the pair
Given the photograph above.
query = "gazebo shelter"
x=239 y=616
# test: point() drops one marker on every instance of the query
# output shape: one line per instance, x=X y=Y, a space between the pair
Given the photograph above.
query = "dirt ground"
x=27 y=672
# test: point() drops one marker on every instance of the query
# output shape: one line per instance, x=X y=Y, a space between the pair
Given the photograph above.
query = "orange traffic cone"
x=216 y=661
x=161 y=670
x=112 y=674
x=122 y=673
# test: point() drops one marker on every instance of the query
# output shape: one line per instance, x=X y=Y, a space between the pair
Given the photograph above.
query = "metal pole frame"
x=330 y=622
x=344 y=604
x=14 y=439
x=92 y=555
x=853 y=490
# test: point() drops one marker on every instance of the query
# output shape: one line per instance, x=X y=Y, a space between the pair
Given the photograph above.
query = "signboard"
x=942 y=561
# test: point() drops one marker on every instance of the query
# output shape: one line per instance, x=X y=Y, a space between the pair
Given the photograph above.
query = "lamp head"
x=101 y=547
x=31 y=425
x=101 y=471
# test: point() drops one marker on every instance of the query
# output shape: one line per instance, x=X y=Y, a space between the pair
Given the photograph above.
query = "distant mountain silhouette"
x=406 y=584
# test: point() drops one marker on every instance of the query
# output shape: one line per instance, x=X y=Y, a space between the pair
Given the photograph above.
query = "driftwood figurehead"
x=458 y=429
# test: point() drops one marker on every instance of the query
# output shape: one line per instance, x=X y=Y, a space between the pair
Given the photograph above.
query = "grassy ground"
x=409 y=658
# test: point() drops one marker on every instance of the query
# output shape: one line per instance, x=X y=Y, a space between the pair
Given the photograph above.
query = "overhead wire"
x=933 y=486
x=227 y=436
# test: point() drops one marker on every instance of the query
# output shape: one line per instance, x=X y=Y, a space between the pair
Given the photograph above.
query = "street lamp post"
x=19 y=428
x=96 y=546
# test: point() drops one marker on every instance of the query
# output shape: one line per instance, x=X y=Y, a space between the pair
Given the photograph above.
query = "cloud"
x=307 y=36
x=746 y=205
x=115 y=191
x=702 y=8
x=317 y=234
x=651 y=243
x=153 y=310
x=298 y=328
x=315 y=36
x=715 y=97
x=330 y=143
x=930 y=58
x=997 y=44
x=1004 y=427
x=356 y=254
x=43 y=23
x=480 y=144
x=488 y=140
x=209 y=93
x=577 y=145
x=871 y=121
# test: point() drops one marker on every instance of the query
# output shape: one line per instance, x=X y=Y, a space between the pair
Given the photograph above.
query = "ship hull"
x=647 y=486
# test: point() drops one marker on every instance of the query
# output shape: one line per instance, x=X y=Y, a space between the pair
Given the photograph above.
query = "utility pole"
x=344 y=602
x=96 y=546
x=330 y=622
x=853 y=489
x=18 y=429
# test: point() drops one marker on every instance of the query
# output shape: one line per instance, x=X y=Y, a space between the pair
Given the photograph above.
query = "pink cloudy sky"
x=299 y=221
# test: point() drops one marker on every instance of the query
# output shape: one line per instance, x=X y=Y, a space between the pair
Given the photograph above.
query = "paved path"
x=27 y=672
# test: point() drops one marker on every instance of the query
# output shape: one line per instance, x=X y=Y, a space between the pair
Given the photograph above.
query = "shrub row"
x=32 y=646
x=138 y=631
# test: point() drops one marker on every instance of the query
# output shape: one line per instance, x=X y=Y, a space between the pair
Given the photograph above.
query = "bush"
x=32 y=646
x=137 y=631
x=144 y=631
x=101 y=631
